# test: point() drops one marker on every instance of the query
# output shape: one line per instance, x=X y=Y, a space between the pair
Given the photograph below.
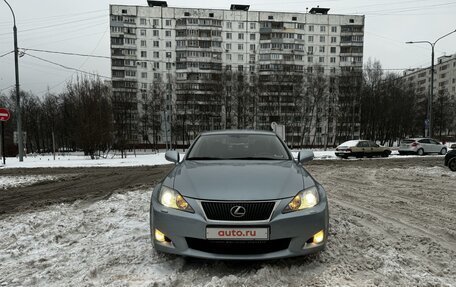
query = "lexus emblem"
x=237 y=211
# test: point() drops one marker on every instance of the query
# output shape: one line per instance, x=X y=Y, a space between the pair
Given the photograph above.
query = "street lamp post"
x=431 y=94
x=20 y=142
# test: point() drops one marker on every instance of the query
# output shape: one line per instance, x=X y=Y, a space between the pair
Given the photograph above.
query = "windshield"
x=238 y=146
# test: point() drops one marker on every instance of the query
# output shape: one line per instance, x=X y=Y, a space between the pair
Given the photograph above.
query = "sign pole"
x=3 y=142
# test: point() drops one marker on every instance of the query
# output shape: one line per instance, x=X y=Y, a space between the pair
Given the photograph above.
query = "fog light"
x=318 y=237
x=159 y=236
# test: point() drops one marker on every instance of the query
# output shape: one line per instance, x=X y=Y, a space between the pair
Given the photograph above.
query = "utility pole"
x=20 y=143
x=431 y=94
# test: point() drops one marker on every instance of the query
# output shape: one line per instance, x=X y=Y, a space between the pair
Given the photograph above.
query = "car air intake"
x=238 y=247
x=230 y=211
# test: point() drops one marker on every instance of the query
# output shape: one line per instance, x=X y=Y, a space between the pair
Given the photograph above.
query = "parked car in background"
x=450 y=158
x=421 y=146
x=361 y=148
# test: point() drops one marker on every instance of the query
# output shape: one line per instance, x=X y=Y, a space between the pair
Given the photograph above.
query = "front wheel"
x=385 y=153
x=443 y=151
x=452 y=164
x=420 y=151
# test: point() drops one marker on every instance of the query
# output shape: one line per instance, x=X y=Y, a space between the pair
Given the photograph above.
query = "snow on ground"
x=83 y=244
x=375 y=240
x=21 y=180
x=140 y=159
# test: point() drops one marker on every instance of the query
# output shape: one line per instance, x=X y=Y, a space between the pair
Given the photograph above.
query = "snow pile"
x=18 y=181
x=101 y=243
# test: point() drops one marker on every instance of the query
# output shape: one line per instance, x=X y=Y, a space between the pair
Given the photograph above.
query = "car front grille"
x=238 y=247
x=254 y=211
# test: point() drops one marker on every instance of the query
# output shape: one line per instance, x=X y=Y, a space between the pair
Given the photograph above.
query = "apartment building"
x=419 y=79
x=180 y=71
x=444 y=77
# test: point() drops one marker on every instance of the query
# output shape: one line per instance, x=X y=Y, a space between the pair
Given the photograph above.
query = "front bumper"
x=184 y=229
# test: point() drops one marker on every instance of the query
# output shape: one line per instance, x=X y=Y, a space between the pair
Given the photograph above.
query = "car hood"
x=239 y=180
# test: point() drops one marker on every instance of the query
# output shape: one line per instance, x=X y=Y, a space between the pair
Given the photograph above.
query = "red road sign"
x=4 y=114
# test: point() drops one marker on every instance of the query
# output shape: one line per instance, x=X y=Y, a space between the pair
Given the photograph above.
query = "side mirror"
x=172 y=156
x=305 y=156
x=453 y=146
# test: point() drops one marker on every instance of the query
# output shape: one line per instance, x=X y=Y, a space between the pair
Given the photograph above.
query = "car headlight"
x=304 y=199
x=172 y=199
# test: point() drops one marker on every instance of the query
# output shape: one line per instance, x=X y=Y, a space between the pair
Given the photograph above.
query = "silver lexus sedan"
x=239 y=195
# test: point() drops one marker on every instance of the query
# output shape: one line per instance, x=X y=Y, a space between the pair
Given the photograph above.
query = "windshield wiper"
x=204 y=158
x=256 y=158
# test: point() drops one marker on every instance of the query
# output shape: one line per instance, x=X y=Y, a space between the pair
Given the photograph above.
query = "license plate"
x=240 y=233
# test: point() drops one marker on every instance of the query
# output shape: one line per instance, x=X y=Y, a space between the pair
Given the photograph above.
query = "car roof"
x=232 y=132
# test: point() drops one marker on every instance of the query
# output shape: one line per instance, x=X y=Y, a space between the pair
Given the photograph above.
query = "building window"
x=186 y=13
x=168 y=44
x=228 y=46
x=168 y=66
x=240 y=68
x=351 y=21
x=156 y=65
x=310 y=49
x=252 y=37
x=310 y=39
x=142 y=21
x=228 y=67
x=229 y=36
x=168 y=55
x=322 y=28
x=241 y=25
x=294 y=18
x=321 y=59
x=311 y=28
x=309 y=59
x=252 y=47
x=156 y=54
x=241 y=36
x=168 y=22
x=322 y=39
x=144 y=75
x=143 y=43
x=142 y=32
x=240 y=57
x=240 y=47
x=156 y=44
x=333 y=39
x=332 y=59
x=252 y=26
x=168 y=33
x=143 y=54
x=124 y=11
x=228 y=25
x=155 y=33
x=333 y=50
x=322 y=49
x=334 y=29
x=211 y=15
x=228 y=57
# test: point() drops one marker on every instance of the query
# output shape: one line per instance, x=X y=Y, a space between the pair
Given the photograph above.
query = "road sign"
x=4 y=114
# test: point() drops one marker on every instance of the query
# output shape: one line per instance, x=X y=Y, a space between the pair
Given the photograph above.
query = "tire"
x=443 y=151
x=420 y=152
x=452 y=164
x=401 y=153
x=385 y=153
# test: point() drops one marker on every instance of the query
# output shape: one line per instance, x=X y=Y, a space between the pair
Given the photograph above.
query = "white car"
x=421 y=146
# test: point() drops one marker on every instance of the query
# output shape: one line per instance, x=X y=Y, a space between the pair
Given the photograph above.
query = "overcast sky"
x=83 y=27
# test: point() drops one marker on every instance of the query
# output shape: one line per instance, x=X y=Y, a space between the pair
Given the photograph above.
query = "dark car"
x=450 y=158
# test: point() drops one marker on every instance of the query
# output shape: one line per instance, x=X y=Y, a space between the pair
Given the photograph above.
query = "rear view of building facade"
x=179 y=71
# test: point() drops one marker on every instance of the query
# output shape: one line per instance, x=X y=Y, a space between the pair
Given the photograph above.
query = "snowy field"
x=24 y=180
x=392 y=225
x=140 y=159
